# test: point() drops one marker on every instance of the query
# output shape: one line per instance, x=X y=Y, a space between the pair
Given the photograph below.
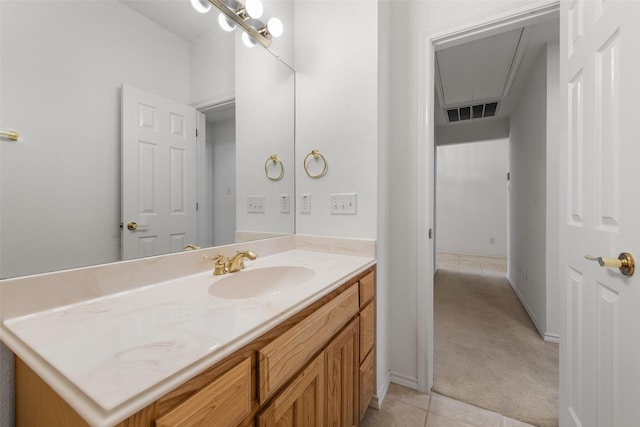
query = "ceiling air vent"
x=469 y=112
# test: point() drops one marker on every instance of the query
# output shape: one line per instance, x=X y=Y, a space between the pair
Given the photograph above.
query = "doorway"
x=518 y=274
x=217 y=173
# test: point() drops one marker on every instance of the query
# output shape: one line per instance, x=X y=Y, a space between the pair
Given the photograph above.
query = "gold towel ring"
x=275 y=160
x=316 y=154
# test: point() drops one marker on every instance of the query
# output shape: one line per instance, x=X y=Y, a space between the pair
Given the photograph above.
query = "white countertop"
x=111 y=356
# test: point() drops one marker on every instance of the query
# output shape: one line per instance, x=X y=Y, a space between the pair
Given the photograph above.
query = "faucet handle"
x=220 y=265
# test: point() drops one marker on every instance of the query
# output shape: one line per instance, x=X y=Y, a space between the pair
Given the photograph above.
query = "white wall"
x=265 y=114
x=553 y=197
x=384 y=176
x=527 y=202
x=336 y=112
x=471 y=198
x=413 y=22
x=474 y=131
x=212 y=67
x=221 y=155
x=62 y=92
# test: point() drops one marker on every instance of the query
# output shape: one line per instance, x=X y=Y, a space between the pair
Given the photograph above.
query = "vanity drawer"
x=224 y=402
x=285 y=355
x=367 y=288
x=367 y=330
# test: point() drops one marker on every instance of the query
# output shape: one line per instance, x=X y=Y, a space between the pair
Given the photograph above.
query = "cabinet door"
x=302 y=402
x=342 y=377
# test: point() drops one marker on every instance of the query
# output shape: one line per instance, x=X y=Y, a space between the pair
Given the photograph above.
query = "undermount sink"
x=260 y=282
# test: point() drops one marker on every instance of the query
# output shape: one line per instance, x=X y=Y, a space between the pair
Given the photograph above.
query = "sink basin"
x=260 y=282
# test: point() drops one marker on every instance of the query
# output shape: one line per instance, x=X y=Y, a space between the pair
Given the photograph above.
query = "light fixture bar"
x=261 y=35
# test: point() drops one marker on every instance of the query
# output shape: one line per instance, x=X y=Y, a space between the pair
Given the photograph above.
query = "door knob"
x=624 y=262
x=133 y=226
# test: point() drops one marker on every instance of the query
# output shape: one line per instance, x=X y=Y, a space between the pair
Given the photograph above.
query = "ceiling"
x=219 y=113
x=488 y=70
x=177 y=16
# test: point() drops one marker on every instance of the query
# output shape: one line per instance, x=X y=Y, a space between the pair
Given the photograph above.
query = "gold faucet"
x=220 y=265
x=236 y=262
x=232 y=264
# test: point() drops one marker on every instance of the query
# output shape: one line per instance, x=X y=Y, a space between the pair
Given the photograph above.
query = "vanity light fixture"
x=226 y=23
x=275 y=27
x=234 y=13
x=248 y=41
x=254 y=8
x=201 y=6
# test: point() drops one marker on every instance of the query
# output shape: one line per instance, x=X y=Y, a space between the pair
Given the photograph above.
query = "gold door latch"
x=624 y=263
x=133 y=226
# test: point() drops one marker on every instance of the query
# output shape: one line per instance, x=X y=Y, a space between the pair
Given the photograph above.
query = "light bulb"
x=226 y=23
x=254 y=8
x=248 y=40
x=275 y=27
x=202 y=6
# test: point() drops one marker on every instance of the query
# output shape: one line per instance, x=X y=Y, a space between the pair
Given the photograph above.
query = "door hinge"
x=196 y=206
x=196 y=132
x=430 y=233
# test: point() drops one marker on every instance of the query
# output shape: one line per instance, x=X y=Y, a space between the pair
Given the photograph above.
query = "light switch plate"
x=255 y=204
x=343 y=204
x=305 y=203
x=285 y=204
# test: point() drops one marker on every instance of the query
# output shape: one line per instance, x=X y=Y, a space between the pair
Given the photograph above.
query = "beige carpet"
x=487 y=351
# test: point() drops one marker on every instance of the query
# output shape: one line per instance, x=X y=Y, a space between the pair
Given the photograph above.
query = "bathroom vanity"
x=207 y=350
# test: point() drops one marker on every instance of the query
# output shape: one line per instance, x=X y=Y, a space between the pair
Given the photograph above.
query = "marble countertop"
x=111 y=356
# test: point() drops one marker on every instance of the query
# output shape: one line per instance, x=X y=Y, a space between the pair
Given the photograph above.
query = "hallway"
x=487 y=351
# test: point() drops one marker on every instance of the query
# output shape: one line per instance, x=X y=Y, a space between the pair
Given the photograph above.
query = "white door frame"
x=429 y=43
x=203 y=188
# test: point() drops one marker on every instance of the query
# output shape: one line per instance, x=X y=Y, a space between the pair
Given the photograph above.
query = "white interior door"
x=600 y=351
x=158 y=174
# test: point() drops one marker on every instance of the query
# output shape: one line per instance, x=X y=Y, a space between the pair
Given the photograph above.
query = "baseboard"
x=543 y=334
x=378 y=399
x=403 y=380
x=555 y=338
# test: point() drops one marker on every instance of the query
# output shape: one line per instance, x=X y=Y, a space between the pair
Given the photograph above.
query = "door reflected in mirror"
x=62 y=192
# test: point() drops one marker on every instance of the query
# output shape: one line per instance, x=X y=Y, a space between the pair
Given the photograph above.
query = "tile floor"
x=403 y=407
x=471 y=263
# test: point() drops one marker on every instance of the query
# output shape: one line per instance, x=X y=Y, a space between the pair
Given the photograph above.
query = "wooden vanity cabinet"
x=286 y=355
x=316 y=368
x=367 y=368
x=302 y=402
x=342 y=356
x=348 y=358
x=226 y=400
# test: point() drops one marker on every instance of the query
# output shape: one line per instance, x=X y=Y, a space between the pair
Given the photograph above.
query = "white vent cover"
x=469 y=112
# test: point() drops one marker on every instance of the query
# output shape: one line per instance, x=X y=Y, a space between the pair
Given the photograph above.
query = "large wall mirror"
x=86 y=83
